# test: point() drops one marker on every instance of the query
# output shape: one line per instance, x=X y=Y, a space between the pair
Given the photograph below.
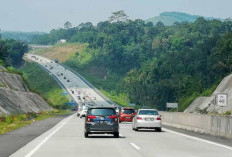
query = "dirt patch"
x=61 y=52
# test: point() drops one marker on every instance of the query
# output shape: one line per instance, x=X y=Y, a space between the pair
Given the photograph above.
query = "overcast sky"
x=44 y=15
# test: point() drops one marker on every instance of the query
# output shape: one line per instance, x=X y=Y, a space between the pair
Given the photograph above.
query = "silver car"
x=147 y=119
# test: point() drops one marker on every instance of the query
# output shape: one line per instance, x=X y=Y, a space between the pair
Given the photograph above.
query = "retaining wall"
x=209 y=124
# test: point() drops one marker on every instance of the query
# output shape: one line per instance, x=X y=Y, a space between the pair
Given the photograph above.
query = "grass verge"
x=15 y=121
x=42 y=83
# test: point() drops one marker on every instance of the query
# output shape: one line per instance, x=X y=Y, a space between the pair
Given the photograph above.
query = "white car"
x=79 y=111
x=84 y=111
x=147 y=119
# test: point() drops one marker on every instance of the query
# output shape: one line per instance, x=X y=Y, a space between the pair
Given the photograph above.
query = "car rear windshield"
x=148 y=112
x=102 y=112
x=128 y=111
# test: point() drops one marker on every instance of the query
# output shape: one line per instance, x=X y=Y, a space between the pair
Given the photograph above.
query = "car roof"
x=127 y=108
x=95 y=107
x=147 y=109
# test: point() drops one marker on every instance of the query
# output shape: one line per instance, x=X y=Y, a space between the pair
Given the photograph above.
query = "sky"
x=44 y=15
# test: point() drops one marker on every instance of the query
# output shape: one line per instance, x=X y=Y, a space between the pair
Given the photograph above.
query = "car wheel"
x=136 y=129
x=120 y=122
x=116 y=134
x=86 y=134
x=80 y=116
x=158 y=129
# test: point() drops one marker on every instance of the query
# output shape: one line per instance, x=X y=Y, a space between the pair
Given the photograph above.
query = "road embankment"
x=208 y=124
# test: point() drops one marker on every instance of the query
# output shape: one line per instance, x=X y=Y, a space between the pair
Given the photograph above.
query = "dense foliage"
x=160 y=63
x=12 y=51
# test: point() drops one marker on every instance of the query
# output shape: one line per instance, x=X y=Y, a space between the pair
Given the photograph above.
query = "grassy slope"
x=41 y=82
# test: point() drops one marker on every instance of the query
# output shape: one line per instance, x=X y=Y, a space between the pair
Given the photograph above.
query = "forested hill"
x=159 y=63
x=169 y=18
x=22 y=36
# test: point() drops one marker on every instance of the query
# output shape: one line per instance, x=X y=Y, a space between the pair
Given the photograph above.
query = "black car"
x=101 y=120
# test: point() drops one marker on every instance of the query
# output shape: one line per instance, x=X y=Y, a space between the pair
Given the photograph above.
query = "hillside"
x=152 y=65
x=23 y=36
x=169 y=18
x=16 y=97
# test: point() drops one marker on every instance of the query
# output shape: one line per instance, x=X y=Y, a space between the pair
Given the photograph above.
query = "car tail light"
x=89 y=118
x=158 y=118
x=114 y=117
x=139 y=118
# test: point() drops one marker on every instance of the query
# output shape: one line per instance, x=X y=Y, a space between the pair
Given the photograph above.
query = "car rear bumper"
x=126 y=119
x=146 y=124
x=102 y=128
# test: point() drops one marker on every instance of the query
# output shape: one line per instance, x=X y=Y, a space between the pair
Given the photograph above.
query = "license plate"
x=128 y=117
x=149 y=119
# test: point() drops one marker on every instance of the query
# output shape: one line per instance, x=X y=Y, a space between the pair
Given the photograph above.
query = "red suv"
x=126 y=115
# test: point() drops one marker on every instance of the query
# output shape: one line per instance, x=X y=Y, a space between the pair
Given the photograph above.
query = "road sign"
x=70 y=103
x=222 y=99
x=172 y=105
x=64 y=93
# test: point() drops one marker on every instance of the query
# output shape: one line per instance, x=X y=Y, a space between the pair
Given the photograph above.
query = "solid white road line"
x=135 y=146
x=60 y=125
x=199 y=139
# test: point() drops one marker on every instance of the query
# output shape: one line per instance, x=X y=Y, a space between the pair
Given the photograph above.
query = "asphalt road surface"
x=66 y=139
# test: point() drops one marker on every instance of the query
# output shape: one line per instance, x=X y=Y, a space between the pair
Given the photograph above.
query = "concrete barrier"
x=208 y=124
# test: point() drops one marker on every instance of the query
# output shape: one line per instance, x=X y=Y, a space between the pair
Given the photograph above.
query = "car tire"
x=86 y=134
x=116 y=134
x=136 y=129
x=80 y=116
x=158 y=129
x=120 y=122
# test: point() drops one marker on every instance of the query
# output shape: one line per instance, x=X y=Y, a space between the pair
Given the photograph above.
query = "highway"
x=66 y=139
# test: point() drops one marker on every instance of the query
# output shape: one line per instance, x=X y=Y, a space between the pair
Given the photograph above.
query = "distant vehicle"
x=72 y=92
x=126 y=114
x=84 y=111
x=64 y=77
x=33 y=57
x=56 y=60
x=78 y=97
x=68 y=80
x=148 y=119
x=101 y=120
x=94 y=98
x=51 y=61
x=79 y=111
x=61 y=74
x=45 y=65
x=51 y=68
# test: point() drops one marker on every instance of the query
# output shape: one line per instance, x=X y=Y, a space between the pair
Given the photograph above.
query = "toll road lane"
x=67 y=139
x=168 y=143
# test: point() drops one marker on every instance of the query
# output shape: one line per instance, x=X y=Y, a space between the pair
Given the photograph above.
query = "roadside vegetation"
x=15 y=121
x=42 y=83
x=155 y=64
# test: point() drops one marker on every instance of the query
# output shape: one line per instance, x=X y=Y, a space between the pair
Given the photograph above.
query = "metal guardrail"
x=91 y=86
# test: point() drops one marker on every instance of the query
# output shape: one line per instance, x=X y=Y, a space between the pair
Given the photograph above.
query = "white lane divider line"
x=135 y=146
x=62 y=123
x=199 y=139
